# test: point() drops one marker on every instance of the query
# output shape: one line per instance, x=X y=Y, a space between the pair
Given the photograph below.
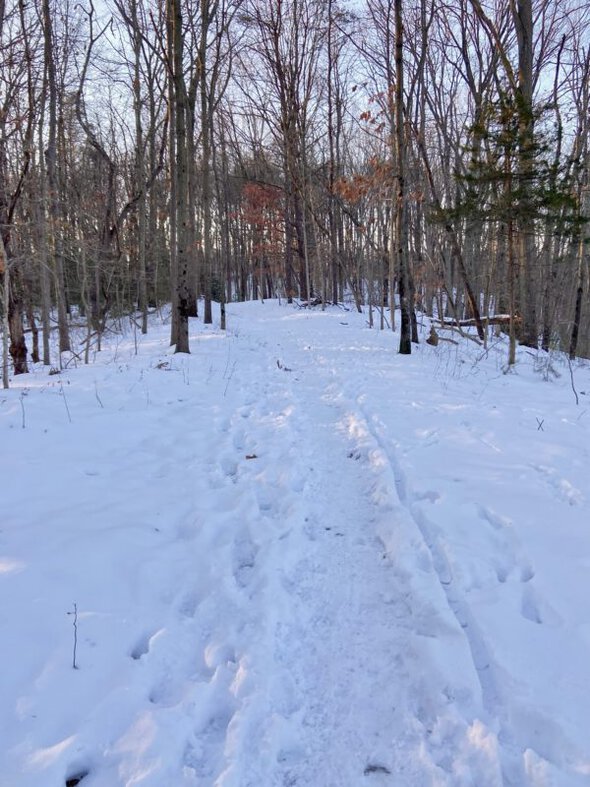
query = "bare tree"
x=16 y=128
x=56 y=250
x=180 y=208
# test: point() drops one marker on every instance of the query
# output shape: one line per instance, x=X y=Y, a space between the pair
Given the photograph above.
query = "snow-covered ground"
x=295 y=557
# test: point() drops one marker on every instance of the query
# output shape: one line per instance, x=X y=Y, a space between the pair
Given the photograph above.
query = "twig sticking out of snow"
x=229 y=376
x=63 y=393
x=98 y=399
x=22 y=405
x=75 y=623
x=569 y=360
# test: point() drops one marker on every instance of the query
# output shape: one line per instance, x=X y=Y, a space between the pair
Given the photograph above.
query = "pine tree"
x=513 y=182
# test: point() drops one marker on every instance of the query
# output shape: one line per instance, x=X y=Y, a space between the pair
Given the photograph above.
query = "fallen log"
x=496 y=319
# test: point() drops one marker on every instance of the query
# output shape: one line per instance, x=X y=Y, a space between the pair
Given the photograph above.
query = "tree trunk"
x=44 y=278
x=523 y=22
x=206 y=132
x=401 y=230
x=139 y=170
x=578 y=303
x=5 y=274
x=51 y=163
x=182 y=280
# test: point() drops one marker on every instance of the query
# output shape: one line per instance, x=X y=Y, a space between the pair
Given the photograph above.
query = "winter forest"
x=156 y=151
x=295 y=417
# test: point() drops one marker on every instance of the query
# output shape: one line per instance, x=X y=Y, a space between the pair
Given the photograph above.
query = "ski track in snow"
x=318 y=631
x=540 y=734
x=494 y=701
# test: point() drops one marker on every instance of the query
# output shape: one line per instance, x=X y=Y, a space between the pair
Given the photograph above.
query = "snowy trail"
x=531 y=747
x=350 y=622
x=520 y=735
x=524 y=735
x=493 y=701
x=293 y=565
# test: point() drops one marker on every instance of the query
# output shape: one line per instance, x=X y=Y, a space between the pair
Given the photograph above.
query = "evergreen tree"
x=512 y=181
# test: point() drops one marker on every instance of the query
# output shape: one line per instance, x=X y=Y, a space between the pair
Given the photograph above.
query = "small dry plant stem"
x=75 y=624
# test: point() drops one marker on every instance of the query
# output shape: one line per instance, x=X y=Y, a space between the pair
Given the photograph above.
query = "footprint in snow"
x=503 y=571
x=224 y=425
x=170 y=690
x=529 y=607
x=144 y=643
x=204 y=751
x=537 y=609
x=512 y=553
x=266 y=501
x=429 y=495
x=219 y=654
x=189 y=604
x=561 y=486
x=244 y=560
x=229 y=468
x=495 y=520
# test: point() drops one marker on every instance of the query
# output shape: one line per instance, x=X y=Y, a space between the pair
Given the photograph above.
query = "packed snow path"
x=296 y=558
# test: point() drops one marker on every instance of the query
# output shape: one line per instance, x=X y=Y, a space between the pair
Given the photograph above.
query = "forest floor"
x=297 y=558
